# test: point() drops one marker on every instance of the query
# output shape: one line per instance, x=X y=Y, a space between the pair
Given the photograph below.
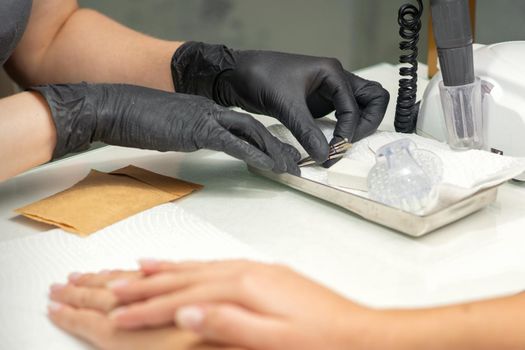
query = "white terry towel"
x=464 y=173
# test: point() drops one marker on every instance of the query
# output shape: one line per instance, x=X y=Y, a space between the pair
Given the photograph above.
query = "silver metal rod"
x=312 y=162
x=337 y=149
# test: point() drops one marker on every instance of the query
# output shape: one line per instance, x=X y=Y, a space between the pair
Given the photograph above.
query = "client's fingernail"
x=104 y=272
x=75 y=276
x=54 y=307
x=116 y=284
x=55 y=287
x=190 y=317
x=117 y=313
x=148 y=263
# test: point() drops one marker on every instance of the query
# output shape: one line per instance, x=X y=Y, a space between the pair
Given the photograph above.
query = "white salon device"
x=477 y=101
x=502 y=71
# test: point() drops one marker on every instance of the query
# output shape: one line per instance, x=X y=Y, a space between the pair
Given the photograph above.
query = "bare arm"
x=230 y=302
x=66 y=44
x=27 y=133
x=493 y=324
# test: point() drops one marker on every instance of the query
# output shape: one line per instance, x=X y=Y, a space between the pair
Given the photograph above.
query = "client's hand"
x=238 y=303
x=81 y=307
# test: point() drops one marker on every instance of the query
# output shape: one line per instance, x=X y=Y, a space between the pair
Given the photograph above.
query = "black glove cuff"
x=73 y=112
x=195 y=67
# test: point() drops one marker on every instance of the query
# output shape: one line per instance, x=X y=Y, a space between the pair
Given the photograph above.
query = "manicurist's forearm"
x=76 y=45
x=495 y=324
x=27 y=133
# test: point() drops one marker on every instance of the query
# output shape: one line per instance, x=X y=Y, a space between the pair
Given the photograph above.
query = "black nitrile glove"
x=295 y=89
x=139 y=117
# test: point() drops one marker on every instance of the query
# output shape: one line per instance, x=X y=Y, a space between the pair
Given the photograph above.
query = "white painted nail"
x=55 y=287
x=148 y=262
x=116 y=313
x=189 y=317
x=54 y=307
x=75 y=276
x=117 y=284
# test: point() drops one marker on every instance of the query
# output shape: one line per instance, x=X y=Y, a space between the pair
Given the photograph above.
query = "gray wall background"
x=358 y=32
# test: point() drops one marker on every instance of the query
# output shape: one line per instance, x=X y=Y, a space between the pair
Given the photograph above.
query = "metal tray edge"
x=404 y=222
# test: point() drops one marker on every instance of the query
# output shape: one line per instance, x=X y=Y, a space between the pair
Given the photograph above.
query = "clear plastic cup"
x=462 y=107
x=405 y=177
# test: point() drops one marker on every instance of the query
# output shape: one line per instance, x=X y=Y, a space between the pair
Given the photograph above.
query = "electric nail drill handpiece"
x=453 y=34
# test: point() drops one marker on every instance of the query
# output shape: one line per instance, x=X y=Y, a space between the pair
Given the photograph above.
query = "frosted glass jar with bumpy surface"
x=405 y=177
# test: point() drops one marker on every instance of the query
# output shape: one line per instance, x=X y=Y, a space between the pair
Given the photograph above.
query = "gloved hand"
x=295 y=89
x=139 y=117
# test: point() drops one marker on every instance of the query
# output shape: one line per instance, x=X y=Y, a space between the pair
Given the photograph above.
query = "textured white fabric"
x=464 y=174
x=472 y=169
x=29 y=266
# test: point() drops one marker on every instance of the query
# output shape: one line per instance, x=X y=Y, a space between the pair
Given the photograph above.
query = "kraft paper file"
x=102 y=199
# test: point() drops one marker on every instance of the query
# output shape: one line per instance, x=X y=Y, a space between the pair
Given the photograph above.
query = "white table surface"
x=483 y=255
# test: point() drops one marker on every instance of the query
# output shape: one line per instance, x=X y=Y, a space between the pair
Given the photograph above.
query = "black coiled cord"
x=409 y=19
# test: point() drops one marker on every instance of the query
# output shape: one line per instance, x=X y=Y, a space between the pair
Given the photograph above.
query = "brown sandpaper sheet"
x=101 y=199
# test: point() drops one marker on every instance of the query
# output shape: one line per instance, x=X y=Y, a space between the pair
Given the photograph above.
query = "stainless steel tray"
x=410 y=224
